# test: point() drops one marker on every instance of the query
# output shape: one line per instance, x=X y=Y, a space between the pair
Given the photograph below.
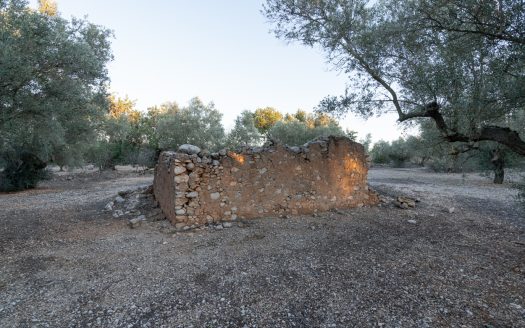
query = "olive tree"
x=460 y=63
x=198 y=124
x=296 y=132
x=265 y=118
x=244 y=132
x=53 y=80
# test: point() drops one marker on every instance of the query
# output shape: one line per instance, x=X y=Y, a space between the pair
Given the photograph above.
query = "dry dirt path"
x=66 y=263
x=469 y=192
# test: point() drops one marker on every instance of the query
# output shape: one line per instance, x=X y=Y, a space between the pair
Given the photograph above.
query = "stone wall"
x=194 y=188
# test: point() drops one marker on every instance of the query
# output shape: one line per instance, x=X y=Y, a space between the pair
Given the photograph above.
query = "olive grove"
x=458 y=63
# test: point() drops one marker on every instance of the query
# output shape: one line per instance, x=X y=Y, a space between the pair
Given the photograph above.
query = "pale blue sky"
x=220 y=51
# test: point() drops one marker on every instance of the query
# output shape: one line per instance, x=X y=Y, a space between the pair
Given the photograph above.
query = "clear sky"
x=220 y=51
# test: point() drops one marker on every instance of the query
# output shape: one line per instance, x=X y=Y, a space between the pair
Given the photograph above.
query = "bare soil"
x=457 y=259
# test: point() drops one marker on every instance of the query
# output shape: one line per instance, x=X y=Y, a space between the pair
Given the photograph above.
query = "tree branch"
x=501 y=135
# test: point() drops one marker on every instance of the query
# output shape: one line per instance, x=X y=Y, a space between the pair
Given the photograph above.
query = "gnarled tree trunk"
x=498 y=161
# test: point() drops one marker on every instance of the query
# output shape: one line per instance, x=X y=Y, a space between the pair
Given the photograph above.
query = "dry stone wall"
x=194 y=187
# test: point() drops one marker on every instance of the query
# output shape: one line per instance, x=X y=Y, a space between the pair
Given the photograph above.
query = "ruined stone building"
x=194 y=187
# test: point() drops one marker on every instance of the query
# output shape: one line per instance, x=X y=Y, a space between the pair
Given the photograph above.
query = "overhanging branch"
x=501 y=135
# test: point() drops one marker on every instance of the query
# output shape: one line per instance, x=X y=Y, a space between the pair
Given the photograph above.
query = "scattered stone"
x=109 y=206
x=219 y=227
x=135 y=222
x=180 y=226
x=138 y=203
x=215 y=196
x=132 y=204
x=118 y=213
x=123 y=193
x=222 y=152
x=405 y=202
x=412 y=221
x=227 y=224
x=451 y=210
x=189 y=149
x=516 y=306
x=156 y=216
x=401 y=205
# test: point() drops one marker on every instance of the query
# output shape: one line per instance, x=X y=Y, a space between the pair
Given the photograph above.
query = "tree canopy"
x=53 y=81
x=48 y=7
x=251 y=128
x=460 y=63
x=296 y=133
x=265 y=118
x=198 y=124
x=244 y=132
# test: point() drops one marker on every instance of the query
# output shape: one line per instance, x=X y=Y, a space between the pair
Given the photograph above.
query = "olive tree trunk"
x=498 y=161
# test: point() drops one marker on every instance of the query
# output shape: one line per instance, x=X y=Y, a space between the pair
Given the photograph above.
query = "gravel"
x=67 y=262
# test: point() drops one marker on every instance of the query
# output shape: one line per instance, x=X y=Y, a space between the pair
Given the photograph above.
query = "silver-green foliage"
x=295 y=132
x=244 y=132
x=197 y=124
x=397 y=153
x=380 y=152
x=52 y=80
x=460 y=63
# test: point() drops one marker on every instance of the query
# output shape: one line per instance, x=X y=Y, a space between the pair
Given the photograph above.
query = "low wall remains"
x=194 y=188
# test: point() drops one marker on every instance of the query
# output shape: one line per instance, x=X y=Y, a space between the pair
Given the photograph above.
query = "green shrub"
x=22 y=170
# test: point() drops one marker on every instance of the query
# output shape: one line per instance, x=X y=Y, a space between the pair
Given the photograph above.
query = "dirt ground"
x=456 y=260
